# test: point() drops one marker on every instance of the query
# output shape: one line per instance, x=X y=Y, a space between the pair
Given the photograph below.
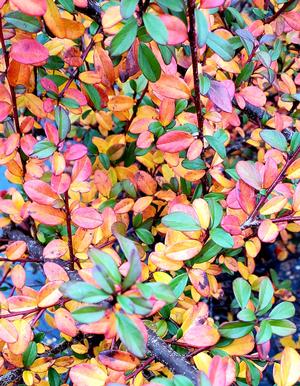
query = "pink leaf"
x=211 y=3
x=177 y=31
x=88 y=218
x=249 y=174
x=220 y=96
x=29 y=51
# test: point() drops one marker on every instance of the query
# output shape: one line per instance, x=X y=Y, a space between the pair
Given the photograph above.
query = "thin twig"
x=279 y=12
x=194 y=53
x=69 y=231
x=140 y=368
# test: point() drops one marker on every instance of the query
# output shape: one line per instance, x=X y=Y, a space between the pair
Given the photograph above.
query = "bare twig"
x=286 y=5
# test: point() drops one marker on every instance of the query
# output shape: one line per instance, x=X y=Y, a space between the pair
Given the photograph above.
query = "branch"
x=194 y=52
x=279 y=12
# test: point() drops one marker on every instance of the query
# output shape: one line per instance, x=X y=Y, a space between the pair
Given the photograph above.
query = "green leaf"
x=83 y=292
x=148 y=63
x=160 y=291
x=246 y=315
x=220 y=46
x=216 y=212
x=54 y=63
x=237 y=16
x=178 y=284
x=295 y=142
x=24 y=22
x=144 y=235
x=222 y=238
x=217 y=145
x=128 y=7
x=204 y=84
x=88 y=314
x=130 y=335
x=124 y=39
x=101 y=258
x=210 y=250
x=166 y=53
x=93 y=94
x=275 y=139
x=283 y=327
x=62 y=121
x=43 y=149
x=131 y=253
x=173 y=5
x=181 y=221
x=156 y=28
x=245 y=74
x=70 y=103
x=102 y=277
x=283 y=310
x=196 y=164
x=181 y=380
x=235 y=330
x=265 y=332
x=202 y=27
x=68 y=5
x=266 y=292
x=54 y=378
x=242 y=291
x=134 y=305
x=30 y=354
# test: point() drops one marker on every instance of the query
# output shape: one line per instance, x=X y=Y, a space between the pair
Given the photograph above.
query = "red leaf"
x=118 y=360
x=88 y=218
x=29 y=51
x=40 y=192
x=177 y=31
x=30 y=7
x=174 y=141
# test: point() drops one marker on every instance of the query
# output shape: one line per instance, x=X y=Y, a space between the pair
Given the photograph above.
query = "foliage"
x=153 y=149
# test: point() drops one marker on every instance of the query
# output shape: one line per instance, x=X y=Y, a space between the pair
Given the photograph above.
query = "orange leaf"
x=30 y=7
x=183 y=250
x=293 y=171
x=8 y=332
x=25 y=336
x=86 y=374
x=49 y=294
x=29 y=51
x=88 y=218
x=118 y=360
x=274 y=205
x=170 y=86
x=145 y=182
x=18 y=276
x=174 y=141
x=55 y=249
x=55 y=272
x=16 y=250
x=268 y=231
x=40 y=192
x=64 y=322
x=46 y=214
x=120 y=103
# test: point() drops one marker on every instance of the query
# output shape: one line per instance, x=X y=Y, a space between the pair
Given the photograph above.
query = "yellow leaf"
x=27 y=377
x=240 y=346
x=202 y=209
x=184 y=250
x=288 y=372
x=293 y=171
x=162 y=277
x=202 y=361
x=274 y=205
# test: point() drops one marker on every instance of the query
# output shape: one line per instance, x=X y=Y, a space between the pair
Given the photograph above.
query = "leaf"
x=171 y=86
x=43 y=149
x=246 y=315
x=155 y=28
x=202 y=27
x=160 y=291
x=144 y=235
x=220 y=46
x=210 y=250
x=204 y=84
x=130 y=335
x=86 y=374
x=222 y=238
x=265 y=332
x=266 y=293
x=30 y=7
x=249 y=174
x=283 y=310
x=40 y=192
x=88 y=314
x=24 y=22
x=174 y=141
x=178 y=284
x=30 y=354
x=62 y=121
x=283 y=327
x=131 y=253
x=29 y=51
x=128 y=7
x=118 y=360
x=174 y=5
x=235 y=330
x=177 y=30
x=219 y=94
x=242 y=291
x=288 y=372
x=180 y=221
x=83 y=292
x=124 y=39
x=93 y=94
x=46 y=214
x=148 y=63
x=105 y=260
x=275 y=139
x=54 y=378
x=8 y=332
x=88 y=218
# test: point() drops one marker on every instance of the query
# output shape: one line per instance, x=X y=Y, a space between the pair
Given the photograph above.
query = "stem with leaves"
x=285 y=6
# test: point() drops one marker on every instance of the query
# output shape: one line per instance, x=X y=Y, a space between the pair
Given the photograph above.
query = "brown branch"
x=279 y=12
x=69 y=231
x=194 y=53
x=252 y=218
x=11 y=88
